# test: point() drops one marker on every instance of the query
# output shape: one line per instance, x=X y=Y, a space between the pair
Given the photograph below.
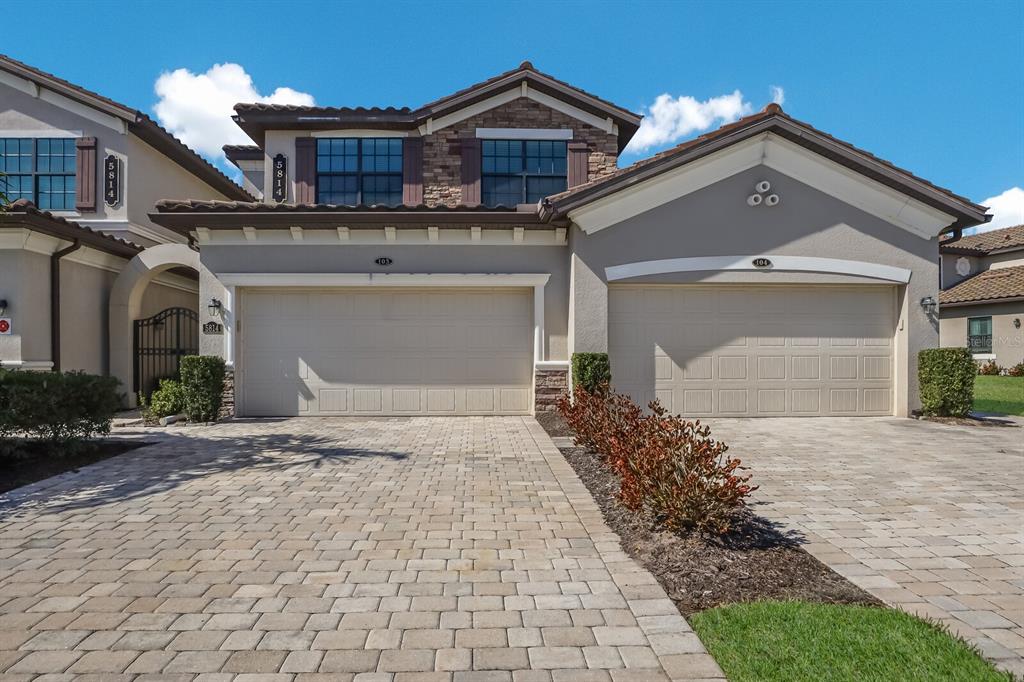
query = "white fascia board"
x=456 y=236
x=358 y=132
x=855 y=189
x=370 y=279
x=514 y=92
x=668 y=186
x=885 y=273
x=781 y=155
x=524 y=133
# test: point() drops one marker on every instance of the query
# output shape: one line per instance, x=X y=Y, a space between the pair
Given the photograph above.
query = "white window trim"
x=886 y=273
x=524 y=133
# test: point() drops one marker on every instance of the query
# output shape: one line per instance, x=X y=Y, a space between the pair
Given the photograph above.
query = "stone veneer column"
x=227 y=396
x=548 y=386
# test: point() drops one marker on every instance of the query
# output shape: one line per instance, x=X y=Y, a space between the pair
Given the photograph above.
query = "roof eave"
x=68 y=232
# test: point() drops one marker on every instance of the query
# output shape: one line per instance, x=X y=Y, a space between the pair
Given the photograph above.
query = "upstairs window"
x=522 y=171
x=979 y=334
x=41 y=170
x=355 y=171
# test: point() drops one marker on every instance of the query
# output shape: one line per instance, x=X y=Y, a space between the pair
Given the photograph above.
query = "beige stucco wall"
x=716 y=221
x=25 y=284
x=407 y=259
x=1007 y=340
x=146 y=175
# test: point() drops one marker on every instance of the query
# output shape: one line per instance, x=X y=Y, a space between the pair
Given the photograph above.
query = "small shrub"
x=202 y=382
x=591 y=370
x=666 y=465
x=62 y=408
x=988 y=369
x=1016 y=370
x=946 y=377
x=167 y=400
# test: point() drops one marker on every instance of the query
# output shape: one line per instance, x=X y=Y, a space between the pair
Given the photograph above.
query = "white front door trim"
x=886 y=273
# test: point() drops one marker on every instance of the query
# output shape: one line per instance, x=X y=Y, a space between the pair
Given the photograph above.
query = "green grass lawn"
x=765 y=641
x=1004 y=395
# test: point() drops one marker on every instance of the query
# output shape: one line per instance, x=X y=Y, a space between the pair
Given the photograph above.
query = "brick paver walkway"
x=337 y=549
x=927 y=517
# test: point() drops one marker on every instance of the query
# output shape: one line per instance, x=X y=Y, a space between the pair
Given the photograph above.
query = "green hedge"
x=946 y=376
x=202 y=382
x=167 y=400
x=590 y=370
x=58 y=407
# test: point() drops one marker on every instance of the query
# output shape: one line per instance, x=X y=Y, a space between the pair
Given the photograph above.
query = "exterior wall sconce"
x=3 y=307
x=929 y=305
x=214 y=308
x=1016 y=322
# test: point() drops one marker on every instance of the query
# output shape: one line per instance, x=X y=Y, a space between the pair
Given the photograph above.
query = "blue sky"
x=935 y=87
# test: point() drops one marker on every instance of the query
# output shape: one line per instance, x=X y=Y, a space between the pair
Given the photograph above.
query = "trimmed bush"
x=592 y=371
x=61 y=408
x=202 y=382
x=988 y=369
x=167 y=400
x=667 y=465
x=946 y=376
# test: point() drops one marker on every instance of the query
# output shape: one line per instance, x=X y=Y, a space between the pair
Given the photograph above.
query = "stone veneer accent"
x=227 y=396
x=442 y=179
x=548 y=386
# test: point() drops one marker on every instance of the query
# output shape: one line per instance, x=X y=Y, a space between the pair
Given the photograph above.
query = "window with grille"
x=359 y=171
x=41 y=170
x=522 y=171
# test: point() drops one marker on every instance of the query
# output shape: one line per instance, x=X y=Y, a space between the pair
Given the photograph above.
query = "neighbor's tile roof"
x=207 y=206
x=991 y=285
x=987 y=242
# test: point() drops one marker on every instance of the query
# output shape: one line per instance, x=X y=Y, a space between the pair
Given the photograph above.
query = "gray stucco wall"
x=23 y=277
x=951 y=277
x=407 y=259
x=716 y=221
x=1007 y=340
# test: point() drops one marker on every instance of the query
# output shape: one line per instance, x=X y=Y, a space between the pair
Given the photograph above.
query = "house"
x=450 y=259
x=83 y=173
x=981 y=304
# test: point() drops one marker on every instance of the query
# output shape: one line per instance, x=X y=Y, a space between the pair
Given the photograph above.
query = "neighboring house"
x=83 y=173
x=449 y=259
x=981 y=305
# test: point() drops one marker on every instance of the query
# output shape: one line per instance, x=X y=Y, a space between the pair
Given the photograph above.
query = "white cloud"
x=670 y=119
x=1006 y=209
x=197 y=107
x=778 y=94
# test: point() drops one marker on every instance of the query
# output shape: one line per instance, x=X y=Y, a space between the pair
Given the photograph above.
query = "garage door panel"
x=757 y=351
x=396 y=351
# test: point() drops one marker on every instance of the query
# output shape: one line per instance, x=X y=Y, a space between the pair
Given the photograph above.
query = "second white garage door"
x=754 y=351
x=386 y=351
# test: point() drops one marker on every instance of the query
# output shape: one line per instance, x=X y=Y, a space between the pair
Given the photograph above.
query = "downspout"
x=958 y=233
x=55 y=301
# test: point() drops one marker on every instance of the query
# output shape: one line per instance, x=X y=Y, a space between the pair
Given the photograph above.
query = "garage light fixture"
x=929 y=305
x=214 y=307
x=3 y=306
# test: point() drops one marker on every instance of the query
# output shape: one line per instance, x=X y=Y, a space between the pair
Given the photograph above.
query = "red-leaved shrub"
x=666 y=464
x=1016 y=370
x=989 y=369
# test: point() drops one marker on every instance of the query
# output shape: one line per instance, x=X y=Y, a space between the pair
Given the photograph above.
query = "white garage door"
x=386 y=351
x=754 y=351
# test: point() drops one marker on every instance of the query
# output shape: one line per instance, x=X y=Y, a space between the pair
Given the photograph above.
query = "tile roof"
x=16 y=213
x=771 y=113
x=987 y=286
x=139 y=123
x=987 y=242
x=194 y=205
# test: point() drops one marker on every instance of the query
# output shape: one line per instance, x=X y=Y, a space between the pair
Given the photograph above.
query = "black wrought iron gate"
x=159 y=343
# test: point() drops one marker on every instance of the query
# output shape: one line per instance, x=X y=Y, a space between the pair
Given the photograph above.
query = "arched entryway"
x=126 y=302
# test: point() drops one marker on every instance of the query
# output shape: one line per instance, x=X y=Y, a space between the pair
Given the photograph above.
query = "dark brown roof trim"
x=184 y=216
x=138 y=123
x=772 y=119
x=23 y=213
x=242 y=152
x=254 y=119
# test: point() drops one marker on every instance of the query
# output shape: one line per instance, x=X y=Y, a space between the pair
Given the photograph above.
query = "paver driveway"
x=387 y=549
x=928 y=517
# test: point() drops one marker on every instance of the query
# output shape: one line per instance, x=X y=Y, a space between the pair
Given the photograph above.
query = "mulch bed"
x=553 y=423
x=34 y=462
x=970 y=421
x=758 y=561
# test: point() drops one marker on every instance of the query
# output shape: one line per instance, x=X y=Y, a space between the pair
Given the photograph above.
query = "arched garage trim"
x=885 y=273
x=126 y=301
